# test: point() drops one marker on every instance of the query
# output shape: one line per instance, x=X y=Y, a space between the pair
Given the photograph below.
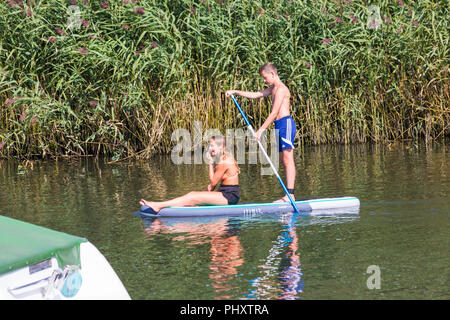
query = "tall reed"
x=134 y=71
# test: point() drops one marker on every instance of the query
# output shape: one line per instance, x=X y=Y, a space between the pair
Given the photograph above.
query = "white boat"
x=38 y=263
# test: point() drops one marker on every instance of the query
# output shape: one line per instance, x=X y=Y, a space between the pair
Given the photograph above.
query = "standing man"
x=281 y=116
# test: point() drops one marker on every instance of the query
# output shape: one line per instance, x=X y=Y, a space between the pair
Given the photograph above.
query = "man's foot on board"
x=153 y=205
x=285 y=199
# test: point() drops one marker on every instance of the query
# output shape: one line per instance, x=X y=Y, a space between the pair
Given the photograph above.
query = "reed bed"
x=132 y=71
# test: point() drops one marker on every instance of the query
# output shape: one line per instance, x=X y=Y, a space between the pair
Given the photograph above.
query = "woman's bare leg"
x=191 y=199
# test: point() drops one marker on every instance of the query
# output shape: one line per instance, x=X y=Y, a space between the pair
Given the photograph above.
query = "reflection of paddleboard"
x=236 y=222
x=308 y=207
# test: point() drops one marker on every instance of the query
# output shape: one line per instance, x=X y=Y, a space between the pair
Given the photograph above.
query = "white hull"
x=99 y=280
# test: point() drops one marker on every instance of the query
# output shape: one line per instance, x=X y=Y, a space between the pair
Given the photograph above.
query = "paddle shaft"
x=265 y=154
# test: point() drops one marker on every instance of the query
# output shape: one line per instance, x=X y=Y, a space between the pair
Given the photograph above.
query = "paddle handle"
x=265 y=154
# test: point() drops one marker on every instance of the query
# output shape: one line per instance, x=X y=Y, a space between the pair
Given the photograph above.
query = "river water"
x=395 y=247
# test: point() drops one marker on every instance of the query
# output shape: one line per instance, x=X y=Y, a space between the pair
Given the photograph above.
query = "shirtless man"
x=280 y=114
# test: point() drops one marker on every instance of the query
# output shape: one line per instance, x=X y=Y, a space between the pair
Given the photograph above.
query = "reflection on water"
x=402 y=225
x=281 y=273
x=289 y=278
x=225 y=247
x=291 y=274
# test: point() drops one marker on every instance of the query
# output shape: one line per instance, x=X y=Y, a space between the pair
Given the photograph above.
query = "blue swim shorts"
x=286 y=133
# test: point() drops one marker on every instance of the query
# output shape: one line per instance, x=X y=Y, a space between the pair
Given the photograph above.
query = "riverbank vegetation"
x=116 y=78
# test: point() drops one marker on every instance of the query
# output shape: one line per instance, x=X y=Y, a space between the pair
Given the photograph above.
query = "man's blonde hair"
x=268 y=67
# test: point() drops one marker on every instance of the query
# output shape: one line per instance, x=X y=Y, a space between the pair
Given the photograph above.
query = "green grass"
x=124 y=81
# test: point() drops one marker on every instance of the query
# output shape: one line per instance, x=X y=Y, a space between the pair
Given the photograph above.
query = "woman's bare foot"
x=153 y=205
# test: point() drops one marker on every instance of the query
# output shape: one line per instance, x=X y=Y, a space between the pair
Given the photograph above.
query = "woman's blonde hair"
x=222 y=141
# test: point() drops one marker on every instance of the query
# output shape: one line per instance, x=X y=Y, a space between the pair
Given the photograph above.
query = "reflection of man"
x=291 y=282
x=225 y=252
x=290 y=276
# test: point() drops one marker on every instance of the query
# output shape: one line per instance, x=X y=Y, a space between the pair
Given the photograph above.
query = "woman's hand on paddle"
x=210 y=187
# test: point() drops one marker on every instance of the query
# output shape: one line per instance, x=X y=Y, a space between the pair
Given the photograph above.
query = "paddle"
x=265 y=154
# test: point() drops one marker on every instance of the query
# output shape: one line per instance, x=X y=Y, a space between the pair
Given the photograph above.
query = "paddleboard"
x=308 y=207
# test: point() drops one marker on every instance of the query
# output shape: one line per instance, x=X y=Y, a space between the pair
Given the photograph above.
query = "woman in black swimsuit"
x=222 y=168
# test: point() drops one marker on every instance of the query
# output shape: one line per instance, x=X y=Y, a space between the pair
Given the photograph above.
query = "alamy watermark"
x=74 y=19
x=191 y=148
x=374 y=281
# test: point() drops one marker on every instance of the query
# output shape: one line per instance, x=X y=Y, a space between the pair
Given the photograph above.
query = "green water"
x=402 y=226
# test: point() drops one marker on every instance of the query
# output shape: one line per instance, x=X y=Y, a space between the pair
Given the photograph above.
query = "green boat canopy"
x=23 y=244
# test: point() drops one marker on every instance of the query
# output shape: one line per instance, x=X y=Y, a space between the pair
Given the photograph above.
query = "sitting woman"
x=222 y=168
